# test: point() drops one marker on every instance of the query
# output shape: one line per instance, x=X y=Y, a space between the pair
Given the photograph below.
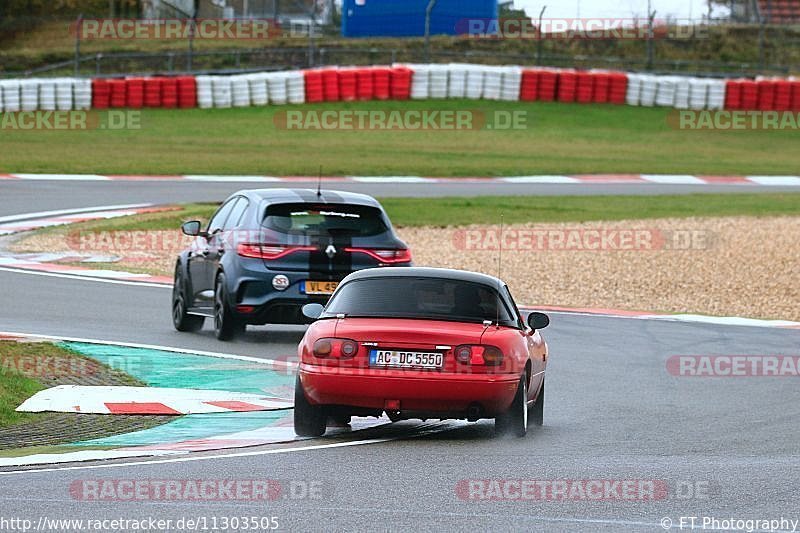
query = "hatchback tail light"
x=479 y=354
x=269 y=251
x=331 y=347
x=386 y=256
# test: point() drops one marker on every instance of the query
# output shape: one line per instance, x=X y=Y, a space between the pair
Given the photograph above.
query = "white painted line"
x=208 y=457
x=723 y=320
x=47 y=214
x=224 y=179
x=391 y=179
x=62 y=177
x=95 y=399
x=154 y=347
x=673 y=179
x=775 y=180
x=539 y=179
x=81 y=456
x=84 y=277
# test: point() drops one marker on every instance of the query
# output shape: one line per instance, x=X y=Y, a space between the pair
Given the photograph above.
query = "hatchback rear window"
x=431 y=298
x=325 y=220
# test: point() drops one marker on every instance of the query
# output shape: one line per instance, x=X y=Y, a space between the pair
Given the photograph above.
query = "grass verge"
x=558 y=139
x=459 y=211
x=29 y=367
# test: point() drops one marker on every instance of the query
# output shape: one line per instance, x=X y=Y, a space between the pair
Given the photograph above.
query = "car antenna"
x=499 y=266
x=319 y=183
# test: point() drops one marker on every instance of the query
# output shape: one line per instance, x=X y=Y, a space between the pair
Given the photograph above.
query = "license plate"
x=319 y=287
x=397 y=359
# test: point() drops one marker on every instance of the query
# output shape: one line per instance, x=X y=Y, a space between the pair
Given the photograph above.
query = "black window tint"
x=325 y=220
x=434 y=298
x=218 y=220
x=235 y=216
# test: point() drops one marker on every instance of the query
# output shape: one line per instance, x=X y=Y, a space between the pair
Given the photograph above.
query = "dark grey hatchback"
x=267 y=252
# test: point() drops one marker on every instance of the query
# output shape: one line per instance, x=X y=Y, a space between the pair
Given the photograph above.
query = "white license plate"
x=398 y=359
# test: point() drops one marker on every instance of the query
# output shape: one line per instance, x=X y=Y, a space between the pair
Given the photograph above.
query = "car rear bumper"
x=451 y=395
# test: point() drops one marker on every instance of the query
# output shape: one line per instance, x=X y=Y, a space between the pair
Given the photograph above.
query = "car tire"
x=225 y=324
x=515 y=419
x=182 y=320
x=309 y=420
x=536 y=415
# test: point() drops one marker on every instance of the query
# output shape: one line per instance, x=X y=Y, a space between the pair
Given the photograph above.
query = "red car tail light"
x=269 y=251
x=323 y=348
x=479 y=354
x=330 y=347
x=401 y=255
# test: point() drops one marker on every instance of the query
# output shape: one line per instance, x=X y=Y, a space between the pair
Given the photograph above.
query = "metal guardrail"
x=274 y=58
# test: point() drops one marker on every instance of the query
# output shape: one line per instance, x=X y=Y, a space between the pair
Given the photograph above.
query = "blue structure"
x=406 y=18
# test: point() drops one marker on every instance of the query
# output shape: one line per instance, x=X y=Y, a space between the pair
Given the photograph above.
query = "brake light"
x=399 y=255
x=269 y=251
x=479 y=354
x=330 y=347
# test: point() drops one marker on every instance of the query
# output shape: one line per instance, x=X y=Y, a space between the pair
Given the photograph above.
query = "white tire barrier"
x=474 y=89
x=457 y=82
x=205 y=92
x=277 y=88
x=295 y=87
x=240 y=91
x=259 y=92
x=492 y=83
x=221 y=86
x=511 y=82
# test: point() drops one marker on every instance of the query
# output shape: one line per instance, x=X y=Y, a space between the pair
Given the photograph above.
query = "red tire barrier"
x=783 y=95
x=135 y=92
x=330 y=84
x=567 y=86
x=796 y=95
x=101 y=94
x=602 y=82
x=584 y=87
x=381 y=83
x=618 y=87
x=118 y=92
x=766 y=95
x=187 y=92
x=365 y=89
x=400 y=87
x=749 y=95
x=547 y=85
x=169 y=93
x=315 y=90
x=529 y=88
x=733 y=94
x=152 y=92
x=347 y=85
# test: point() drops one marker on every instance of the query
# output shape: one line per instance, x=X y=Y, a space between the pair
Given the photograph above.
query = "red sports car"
x=421 y=343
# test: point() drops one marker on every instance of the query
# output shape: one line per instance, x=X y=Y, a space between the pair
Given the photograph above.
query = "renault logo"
x=330 y=251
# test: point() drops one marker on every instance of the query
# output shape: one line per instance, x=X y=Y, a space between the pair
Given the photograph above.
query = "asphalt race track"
x=726 y=448
x=21 y=196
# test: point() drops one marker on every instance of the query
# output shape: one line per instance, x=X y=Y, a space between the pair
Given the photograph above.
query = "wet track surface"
x=613 y=412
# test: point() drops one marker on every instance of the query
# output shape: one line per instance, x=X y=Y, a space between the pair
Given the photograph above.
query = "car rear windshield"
x=410 y=297
x=325 y=220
